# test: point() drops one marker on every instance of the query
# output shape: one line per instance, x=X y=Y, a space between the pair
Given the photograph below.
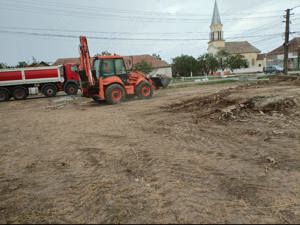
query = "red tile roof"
x=129 y=61
x=293 y=47
x=63 y=61
x=132 y=60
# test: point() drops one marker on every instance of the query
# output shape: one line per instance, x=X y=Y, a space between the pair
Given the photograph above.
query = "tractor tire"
x=49 y=91
x=144 y=90
x=114 y=94
x=71 y=89
x=20 y=93
x=4 y=95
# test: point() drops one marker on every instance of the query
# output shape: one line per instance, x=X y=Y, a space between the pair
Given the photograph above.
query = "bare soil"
x=225 y=153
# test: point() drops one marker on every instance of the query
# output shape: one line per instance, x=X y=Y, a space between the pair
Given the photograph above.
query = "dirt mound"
x=227 y=105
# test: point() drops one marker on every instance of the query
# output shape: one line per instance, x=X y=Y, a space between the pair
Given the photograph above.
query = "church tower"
x=216 y=38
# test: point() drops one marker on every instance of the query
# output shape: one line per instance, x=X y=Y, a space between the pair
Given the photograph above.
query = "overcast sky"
x=171 y=27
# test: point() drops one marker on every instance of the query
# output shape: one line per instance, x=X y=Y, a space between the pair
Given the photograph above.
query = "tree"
x=143 y=66
x=208 y=63
x=237 y=62
x=3 y=66
x=184 y=65
x=222 y=58
x=157 y=56
x=105 y=53
x=22 y=64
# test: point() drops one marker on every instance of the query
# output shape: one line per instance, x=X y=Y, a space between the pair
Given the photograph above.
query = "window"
x=74 y=68
x=253 y=62
x=120 y=67
x=97 y=67
x=108 y=68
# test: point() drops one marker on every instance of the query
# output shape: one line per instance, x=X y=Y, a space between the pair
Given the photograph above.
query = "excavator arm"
x=85 y=60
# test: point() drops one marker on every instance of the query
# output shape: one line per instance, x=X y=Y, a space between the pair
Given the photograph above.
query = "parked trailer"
x=47 y=80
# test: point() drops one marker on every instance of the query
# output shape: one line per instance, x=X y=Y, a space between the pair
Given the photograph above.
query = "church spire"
x=216 y=16
x=216 y=36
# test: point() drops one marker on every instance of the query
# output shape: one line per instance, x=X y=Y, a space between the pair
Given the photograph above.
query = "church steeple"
x=216 y=26
x=216 y=16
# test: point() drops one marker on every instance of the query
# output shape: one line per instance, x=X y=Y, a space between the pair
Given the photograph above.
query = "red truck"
x=48 y=80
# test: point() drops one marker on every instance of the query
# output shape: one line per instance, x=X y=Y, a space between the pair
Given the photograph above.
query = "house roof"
x=293 y=47
x=63 y=61
x=240 y=47
x=216 y=19
x=261 y=56
x=130 y=61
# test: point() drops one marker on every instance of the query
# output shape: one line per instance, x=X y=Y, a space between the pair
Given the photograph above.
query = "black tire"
x=144 y=90
x=4 y=95
x=20 y=93
x=114 y=94
x=71 y=89
x=49 y=91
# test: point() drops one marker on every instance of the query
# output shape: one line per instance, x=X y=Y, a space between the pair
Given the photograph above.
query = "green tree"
x=3 y=66
x=157 y=56
x=143 y=66
x=236 y=62
x=208 y=63
x=184 y=65
x=106 y=53
x=22 y=64
x=222 y=58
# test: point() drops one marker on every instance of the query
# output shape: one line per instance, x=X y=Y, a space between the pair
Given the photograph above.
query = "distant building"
x=276 y=56
x=160 y=67
x=217 y=43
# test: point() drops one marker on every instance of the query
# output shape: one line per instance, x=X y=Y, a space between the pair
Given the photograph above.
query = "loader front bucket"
x=161 y=82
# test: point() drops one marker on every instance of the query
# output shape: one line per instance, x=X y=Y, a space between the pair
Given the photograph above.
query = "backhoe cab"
x=106 y=78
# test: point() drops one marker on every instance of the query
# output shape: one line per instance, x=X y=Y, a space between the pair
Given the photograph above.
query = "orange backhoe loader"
x=106 y=78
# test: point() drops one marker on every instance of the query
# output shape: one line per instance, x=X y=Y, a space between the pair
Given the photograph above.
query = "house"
x=63 y=61
x=160 y=67
x=244 y=48
x=276 y=56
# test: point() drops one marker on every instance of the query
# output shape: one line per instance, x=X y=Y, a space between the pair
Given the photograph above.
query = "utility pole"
x=287 y=40
x=298 y=67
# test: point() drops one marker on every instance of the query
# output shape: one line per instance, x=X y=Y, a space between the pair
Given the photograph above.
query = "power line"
x=106 y=16
x=295 y=7
x=100 y=38
x=125 y=39
x=118 y=11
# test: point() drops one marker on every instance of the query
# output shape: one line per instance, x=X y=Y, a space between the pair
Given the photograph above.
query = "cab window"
x=108 y=68
x=120 y=67
x=97 y=67
x=74 y=69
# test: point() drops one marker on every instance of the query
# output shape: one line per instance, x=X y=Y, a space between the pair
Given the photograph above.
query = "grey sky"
x=136 y=19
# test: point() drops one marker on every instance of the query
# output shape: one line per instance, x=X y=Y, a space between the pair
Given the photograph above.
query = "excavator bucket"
x=161 y=81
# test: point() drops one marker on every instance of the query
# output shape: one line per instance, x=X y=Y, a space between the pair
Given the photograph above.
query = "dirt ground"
x=219 y=153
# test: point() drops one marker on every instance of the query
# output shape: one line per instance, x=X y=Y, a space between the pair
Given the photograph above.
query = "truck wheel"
x=114 y=94
x=49 y=91
x=20 y=93
x=4 y=95
x=144 y=90
x=71 y=89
